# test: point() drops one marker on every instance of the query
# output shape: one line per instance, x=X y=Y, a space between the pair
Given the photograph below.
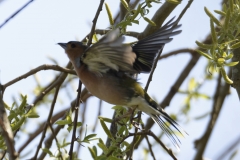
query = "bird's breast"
x=106 y=87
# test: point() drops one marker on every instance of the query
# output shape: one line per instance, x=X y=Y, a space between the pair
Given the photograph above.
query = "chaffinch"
x=105 y=68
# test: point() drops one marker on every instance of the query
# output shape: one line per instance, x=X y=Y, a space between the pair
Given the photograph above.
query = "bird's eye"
x=73 y=45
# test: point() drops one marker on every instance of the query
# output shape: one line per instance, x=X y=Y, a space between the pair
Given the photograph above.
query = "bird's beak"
x=63 y=45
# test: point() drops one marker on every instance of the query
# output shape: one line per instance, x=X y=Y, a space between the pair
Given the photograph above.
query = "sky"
x=29 y=40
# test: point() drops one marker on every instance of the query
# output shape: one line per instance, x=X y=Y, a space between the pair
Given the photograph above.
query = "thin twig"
x=176 y=52
x=14 y=14
x=6 y=131
x=95 y=22
x=144 y=133
x=61 y=114
x=37 y=69
x=75 y=120
x=228 y=149
x=49 y=141
x=99 y=113
x=54 y=135
x=84 y=108
x=184 y=10
x=48 y=122
x=150 y=147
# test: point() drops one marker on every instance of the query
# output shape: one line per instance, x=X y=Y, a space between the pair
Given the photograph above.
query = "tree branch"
x=6 y=131
x=47 y=123
x=14 y=14
x=220 y=94
x=35 y=70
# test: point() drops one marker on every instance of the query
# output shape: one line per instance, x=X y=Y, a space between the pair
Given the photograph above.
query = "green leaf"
x=231 y=5
x=204 y=46
x=125 y=4
x=229 y=56
x=226 y=22
x=113 y=158
x=225 y=76
x=89 y=137
x=79 y=124
x=107 y=131
x=63 y=122
x=105 y=119
x=46 y=150
x=103 y=147
x=213 y=33
x=137 y=11
x=92 y=153
x=149 y=21
x=24 y=102
x=204 y=54
x=214 y=19
x=135 y=21
x=109 y=13
x=174 y=1
x=18 y=124
x=232 y=64
x=192 y=84
x=32 y=115
x=235 y=46
x=95 y=149
x=220 y=12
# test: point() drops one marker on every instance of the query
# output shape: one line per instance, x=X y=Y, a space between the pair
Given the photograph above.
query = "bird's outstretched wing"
x=147 y=48
x=111 y=53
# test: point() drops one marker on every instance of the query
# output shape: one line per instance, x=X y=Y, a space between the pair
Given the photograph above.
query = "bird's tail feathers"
x=169 y=126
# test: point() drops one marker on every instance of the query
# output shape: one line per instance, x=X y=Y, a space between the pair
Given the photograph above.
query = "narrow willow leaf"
x=135 y=21
x=137 y=11
x=125 y=4
x=18 y=124
x=229 y=56
x=92 y=153
x=232 y=64
x=112 y=158
x=110 y=17
x=149 y=5
x=90 y=136
x=63 y=122
x=204 y=54
x=202 y=45
x=213 y=33
x=220 y=12
x=226 y=23
x=174 y=1
x=235 y=46
x=103 y=147
x=32 y=115
x=107 y=131
x=105 y=119
x=225 y=76
x=214 y=19
x=46 y=150
x=149 y=21
x=231 y=5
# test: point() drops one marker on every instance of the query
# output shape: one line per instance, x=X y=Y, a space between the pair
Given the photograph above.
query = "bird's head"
x=73 y=48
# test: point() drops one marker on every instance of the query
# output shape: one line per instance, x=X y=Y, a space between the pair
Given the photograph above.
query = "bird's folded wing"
x=110 y=53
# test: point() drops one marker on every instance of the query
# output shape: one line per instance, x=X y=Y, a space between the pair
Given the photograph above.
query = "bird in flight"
x=105 y=68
